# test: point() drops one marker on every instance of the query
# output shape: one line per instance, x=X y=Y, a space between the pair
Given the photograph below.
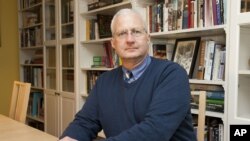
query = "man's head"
x=130 y=38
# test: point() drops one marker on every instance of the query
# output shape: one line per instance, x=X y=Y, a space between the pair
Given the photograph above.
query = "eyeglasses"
x=133 y=32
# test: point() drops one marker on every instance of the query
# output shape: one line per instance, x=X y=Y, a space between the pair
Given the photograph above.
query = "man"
x=149 y=104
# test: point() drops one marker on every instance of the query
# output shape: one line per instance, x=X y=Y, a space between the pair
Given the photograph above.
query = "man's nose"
x=130 y=36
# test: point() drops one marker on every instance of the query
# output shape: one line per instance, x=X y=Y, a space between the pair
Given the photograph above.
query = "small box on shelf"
x=101 y=3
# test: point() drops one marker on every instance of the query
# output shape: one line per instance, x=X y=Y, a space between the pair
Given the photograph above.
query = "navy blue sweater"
x=156 y=107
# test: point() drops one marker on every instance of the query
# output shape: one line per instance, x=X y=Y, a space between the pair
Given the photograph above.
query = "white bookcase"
x=239 y=64
x=91 y=47
x=48 y=60
x=60 y=64
x=31 y=57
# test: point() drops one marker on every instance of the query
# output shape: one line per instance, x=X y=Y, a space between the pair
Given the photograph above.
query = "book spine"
x=218 y=12
x=201 y=65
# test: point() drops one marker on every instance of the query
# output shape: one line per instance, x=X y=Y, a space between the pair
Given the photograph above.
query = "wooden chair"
x=201 y=114
x=19 y=101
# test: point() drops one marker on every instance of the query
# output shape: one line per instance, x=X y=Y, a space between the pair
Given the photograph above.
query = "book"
x=209 y=55
x=215 y=101
x=216 y=64
x=208 y=14
x=214 y=9
x=221 y=71
x=201 y=64
x=219 y=95
x=36 y=102
x=109 y=54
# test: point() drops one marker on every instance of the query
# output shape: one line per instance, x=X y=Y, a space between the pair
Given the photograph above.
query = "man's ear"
x=148 y=39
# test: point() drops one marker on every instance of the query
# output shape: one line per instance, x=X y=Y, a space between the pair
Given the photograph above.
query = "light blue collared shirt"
x=137 y=71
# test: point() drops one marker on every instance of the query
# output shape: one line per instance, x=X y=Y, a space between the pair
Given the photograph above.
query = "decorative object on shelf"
x=101 y=3
x=185 y=53
x=245 y=6
x=103 y=22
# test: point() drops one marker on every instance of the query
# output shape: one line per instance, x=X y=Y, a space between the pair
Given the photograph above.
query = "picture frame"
x=185 y=53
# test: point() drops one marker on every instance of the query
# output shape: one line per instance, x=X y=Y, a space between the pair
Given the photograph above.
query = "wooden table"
x=11 y=130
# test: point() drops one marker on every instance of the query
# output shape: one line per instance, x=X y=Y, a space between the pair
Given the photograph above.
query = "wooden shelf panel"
x=192 y=32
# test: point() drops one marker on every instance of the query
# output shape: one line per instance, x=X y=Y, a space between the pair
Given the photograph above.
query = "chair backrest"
x=19 y=101
x=201 y=114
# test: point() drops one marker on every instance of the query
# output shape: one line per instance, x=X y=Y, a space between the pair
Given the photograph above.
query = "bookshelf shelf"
x=35 y=118
x=31 y=47
x=210 y=82
x=37 y=88
x=33 y=26
x=244 y=19
x=193 y=32
x=32 y=65
x=68 y=23
x=33 y=6
x=97 y=41
x=244 y=72
x=108 y=9
x=96 y=69
x=244 y=117
x=209 y=113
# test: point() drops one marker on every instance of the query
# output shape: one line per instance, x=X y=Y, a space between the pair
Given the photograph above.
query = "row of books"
x=28 y=3
x=214 y=101
x=33 y=75
x=168 y=15
x=211 y=61
x=67 y=11
x=31 y=37
x=214 y=128
x=91 y=79
x=98 y=27
x=36 y=105
x=113 y=59
x=214 y=97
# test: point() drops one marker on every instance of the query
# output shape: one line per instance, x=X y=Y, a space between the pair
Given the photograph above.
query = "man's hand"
x=67 y=139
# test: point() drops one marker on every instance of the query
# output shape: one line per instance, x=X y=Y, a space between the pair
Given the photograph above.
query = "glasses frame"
x=134 y=32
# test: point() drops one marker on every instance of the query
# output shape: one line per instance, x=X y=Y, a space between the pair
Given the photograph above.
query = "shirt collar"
x=138 y=71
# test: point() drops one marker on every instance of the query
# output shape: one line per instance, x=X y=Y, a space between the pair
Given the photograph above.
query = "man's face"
x=130 y=39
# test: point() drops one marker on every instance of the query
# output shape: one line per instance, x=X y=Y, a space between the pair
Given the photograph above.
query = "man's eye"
x=122 y=33
x=137 y=31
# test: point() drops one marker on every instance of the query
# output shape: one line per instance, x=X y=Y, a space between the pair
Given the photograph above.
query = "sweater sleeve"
x=85 y=125
x=167 y=111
